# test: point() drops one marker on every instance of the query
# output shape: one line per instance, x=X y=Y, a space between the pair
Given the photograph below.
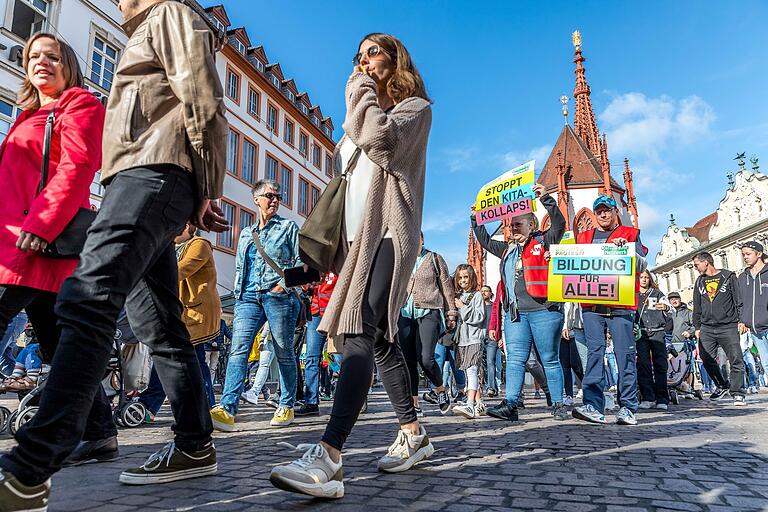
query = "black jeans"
x=359 y=353
x=418 y=339
x=128 y=261
x=299 y=336
x=534 y=367
x=652 y=368
x=39 y=306
x=727 y=337
x=571 y=363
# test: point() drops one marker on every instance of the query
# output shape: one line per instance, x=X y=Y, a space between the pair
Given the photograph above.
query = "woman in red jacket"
x=29 y=280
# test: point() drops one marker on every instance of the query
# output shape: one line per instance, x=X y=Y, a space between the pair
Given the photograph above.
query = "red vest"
x=322 y=294
x=625 y=232
x=535 y=268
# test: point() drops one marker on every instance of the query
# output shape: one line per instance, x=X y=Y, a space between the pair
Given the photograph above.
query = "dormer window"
x=259 y=65
x=239 y=46
x=217 y=23
x=289 y=94
x=316 y=121
x=304 y=109
x=327 y=131
x=275 y=81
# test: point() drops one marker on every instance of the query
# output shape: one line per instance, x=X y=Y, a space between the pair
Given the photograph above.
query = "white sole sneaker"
x=331 y=490
x=163 y=478
x=460 y=411
x=222 y=427
x=418 y=456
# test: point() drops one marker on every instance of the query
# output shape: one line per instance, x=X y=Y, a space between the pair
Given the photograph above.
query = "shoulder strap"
x=264 y=254
x=46 y=151
x=352 y=162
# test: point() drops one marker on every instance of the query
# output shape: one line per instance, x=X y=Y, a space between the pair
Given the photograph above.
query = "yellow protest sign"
x=592 y=273
x=509 y=195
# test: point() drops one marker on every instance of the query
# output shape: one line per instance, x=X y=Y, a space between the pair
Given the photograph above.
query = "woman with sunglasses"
x=384 y=154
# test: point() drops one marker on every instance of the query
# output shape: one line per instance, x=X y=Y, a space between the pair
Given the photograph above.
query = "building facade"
x=741 y=216
x=275 y=131
x=576 y=173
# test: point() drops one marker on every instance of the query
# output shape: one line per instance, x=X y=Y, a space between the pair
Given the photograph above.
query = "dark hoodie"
x=724 y=306
x=754 y=293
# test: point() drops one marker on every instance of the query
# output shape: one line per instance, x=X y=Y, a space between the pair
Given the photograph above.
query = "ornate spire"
x=631 y=200
x=562 y=189
x=584 y=123
x=605 y=165
x=476 y=257
x=564 y=100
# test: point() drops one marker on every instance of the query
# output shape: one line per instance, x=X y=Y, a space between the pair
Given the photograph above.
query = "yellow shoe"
x=222 y=420
x=283 y=417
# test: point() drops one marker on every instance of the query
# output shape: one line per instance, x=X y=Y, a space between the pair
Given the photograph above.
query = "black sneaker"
x=17 y=497
x=103 y=450
x=718 y=394
x=307 y=410
x=461 y=398
x=430 y=396
x=419 y=412
x=560 y=412
x=444 y=402
x=492 y=393
x=171 y=464
x=504 y=411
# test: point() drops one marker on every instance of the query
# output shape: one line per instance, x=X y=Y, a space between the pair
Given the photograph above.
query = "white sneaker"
x=251 y=396
x=579 y=395
x=568 y=400
x=314 y=474
x=407 y=450
x=467 y=411
x=610 y=403
x=480 y=409
x=662 y=406
x=646 y=405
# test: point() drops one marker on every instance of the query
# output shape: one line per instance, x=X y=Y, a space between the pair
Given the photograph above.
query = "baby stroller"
x=128 y=411
x=27 y=408
x=681 y=365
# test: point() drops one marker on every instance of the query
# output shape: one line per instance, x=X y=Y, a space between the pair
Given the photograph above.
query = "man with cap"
x=619 y=320
x=753 y=288
x=682 y=319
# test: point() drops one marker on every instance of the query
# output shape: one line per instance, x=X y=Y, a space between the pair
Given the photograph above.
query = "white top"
x=358 y=184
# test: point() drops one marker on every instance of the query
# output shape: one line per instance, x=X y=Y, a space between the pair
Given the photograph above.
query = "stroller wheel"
x=5 y=415
x=698 y=394
x=673 y=397
x=132 y=414
x=24 y=417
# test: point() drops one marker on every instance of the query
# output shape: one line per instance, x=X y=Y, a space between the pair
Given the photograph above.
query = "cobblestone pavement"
x=698 y=456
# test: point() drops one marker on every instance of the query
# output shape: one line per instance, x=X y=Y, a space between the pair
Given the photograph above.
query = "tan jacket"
x=166 y=105
x=431 y=285
x=197 y=290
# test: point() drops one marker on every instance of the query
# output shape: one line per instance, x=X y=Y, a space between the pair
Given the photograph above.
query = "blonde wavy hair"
x=406 y=81
x=29 y=97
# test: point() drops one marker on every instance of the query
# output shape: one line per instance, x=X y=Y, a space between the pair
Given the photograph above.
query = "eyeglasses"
x=371 y=51
x=271 y=196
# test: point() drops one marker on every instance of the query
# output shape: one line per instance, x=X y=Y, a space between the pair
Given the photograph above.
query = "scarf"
x=510 y=276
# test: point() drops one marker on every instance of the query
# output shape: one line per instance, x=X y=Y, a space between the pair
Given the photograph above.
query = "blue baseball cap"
x=604 y=201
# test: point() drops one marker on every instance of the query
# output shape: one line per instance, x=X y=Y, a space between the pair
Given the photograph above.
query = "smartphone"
x=296 y=276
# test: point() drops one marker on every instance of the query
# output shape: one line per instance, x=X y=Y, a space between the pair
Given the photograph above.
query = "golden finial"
x=576 y=38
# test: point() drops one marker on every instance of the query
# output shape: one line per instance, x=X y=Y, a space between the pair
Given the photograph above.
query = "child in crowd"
x=29 y=363
x=470 y=338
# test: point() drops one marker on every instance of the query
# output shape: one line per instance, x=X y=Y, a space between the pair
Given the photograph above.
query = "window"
x=328 y=165
x=315 y=196
x=7 y=116
x=328 y=132
x=316 y=155
x=259 y=65
x=226 y=239
x=288 y=132
x=29 y=17
x=304 y=108
x=233 y=145
x=285 y=185
x=239 y=46
x=270 y=172
x=254 y=102
x=272 y=118
x=248 y=168
x=304 y=207
x=233 y=85
x=217 y=23
x=303 y=144
x=275 y=81
x=103 y=63
x=316 y=121
x=246 y=219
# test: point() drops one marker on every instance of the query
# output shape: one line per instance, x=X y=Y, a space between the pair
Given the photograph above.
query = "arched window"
x=584 y=220
x=545 y=223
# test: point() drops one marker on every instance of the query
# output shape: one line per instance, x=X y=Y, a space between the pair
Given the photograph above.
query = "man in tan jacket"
x=163 y=164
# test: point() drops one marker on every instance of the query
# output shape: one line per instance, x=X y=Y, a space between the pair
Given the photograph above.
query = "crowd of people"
x=389 y=310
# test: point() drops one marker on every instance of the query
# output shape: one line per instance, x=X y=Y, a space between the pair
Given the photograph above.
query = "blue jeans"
x=266 y=363
x=315 y=344
x=542 y=328
x=611 y=370
x=761 y=342
x=581 y=345
x=492 y=366
x=750 y=375
x=620 y=325
x=15 y=328
x=706 y=380
x=447 y=363
x=154 y=396
x=251 y=313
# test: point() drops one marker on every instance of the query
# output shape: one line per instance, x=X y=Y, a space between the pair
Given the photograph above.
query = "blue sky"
x=677 y=86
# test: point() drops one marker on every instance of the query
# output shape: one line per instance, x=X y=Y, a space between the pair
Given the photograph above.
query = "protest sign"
x=509 y=195
x=592 y=273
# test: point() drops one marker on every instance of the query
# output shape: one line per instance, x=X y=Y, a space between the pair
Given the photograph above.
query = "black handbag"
x=70 y=242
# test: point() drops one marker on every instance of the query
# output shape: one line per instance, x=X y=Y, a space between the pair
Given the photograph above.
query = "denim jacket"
x=280 y=239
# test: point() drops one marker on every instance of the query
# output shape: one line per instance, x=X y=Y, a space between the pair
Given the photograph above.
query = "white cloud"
x=540 y=154
x=436 y=221
x=459 y=159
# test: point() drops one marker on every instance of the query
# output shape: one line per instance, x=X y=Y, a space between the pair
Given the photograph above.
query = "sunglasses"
x=372 y=51
x=271 y=196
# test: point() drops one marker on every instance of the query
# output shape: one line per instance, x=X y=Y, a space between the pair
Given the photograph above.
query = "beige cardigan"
x=397 y=143
x=431 y=285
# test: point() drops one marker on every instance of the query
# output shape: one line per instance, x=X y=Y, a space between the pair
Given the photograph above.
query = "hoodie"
x=716 y=305
x=754 y=293
x=682 y=321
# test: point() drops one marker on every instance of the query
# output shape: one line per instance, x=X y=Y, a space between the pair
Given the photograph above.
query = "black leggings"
x=570 y=361
x=418 y=339
x=360 y=351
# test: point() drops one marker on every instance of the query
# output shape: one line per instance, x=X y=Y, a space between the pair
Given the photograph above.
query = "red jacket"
x=75 y=158
x=629 y=234
x=494 y=324
x=322 y=294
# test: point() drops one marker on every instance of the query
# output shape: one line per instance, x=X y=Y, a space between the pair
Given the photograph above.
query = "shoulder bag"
x=70 y=242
